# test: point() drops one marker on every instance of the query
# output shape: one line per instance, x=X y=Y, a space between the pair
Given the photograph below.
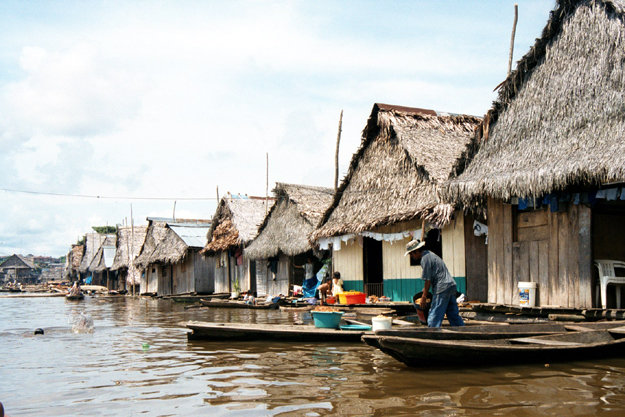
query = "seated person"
x=337 y=284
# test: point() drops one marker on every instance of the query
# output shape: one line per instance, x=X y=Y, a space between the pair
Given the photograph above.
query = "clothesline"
x=336 y=241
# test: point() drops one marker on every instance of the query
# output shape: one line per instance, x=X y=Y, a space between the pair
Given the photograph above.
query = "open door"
x=372 y=266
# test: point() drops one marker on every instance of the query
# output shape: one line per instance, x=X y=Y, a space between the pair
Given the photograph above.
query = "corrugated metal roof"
x=193 y=235
x=109 y=255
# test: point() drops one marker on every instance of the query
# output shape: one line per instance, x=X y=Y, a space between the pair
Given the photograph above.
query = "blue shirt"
x=435 y=271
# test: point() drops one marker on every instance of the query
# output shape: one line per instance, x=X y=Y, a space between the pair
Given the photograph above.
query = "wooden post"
x=336 y=155
x=516 y=17
x=218 y=194
x=132 y=241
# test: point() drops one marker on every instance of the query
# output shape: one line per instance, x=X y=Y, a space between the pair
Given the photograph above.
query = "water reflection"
x=110 y=372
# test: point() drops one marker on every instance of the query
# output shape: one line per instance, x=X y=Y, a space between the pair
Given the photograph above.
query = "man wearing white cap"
x=437 y=276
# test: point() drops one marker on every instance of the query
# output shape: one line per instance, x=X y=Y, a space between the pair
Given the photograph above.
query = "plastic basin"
x=327 y=319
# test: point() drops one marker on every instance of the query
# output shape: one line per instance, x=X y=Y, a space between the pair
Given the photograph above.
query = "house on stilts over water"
x=282 y=241
x=390 y=194
x=129 y=242
x=102 y=262
x=171 y=260
x=234 y=225
x=549 y=162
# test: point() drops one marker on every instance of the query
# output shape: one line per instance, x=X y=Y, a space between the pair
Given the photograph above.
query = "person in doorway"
x=439 y=280
x=337 y=284
x=308 y=268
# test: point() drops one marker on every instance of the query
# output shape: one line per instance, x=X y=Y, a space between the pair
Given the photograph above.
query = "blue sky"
x=171 y=99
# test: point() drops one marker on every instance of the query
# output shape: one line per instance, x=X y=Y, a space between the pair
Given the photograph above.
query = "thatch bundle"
x=235 y=223
x=155 y=233
x=75 y=257
x=291 y=220
x=559 y=120
x=129 y=242
x=405 y=156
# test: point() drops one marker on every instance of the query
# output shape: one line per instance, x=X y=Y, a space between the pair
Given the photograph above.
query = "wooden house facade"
x=93 y=241
x=234 y=225
x=549 y=161
x=17 y=268
x=390 y=195
x=170 y=258
x=102 y=262
x=282 y=240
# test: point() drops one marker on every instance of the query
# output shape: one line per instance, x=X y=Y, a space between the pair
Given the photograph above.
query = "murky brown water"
x=110 y=373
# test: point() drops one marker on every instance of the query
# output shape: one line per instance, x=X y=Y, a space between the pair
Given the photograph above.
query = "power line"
x=107 y=197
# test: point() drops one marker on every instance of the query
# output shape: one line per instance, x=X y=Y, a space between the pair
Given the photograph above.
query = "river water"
x=138 y=362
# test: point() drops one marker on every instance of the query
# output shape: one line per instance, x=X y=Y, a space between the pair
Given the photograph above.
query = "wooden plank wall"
x=348 y=261
x=476 y=254
x=551 y=249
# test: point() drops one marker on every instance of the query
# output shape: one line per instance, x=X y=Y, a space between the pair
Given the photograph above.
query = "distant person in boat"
x=337 y=284
x=75 y=290
x=442 y=284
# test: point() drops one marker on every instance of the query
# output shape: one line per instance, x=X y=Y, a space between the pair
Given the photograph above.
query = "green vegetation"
x=105 y=229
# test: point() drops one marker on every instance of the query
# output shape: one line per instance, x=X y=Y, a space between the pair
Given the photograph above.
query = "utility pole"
x=516 y=17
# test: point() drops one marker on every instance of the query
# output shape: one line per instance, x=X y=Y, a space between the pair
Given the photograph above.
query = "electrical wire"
x=105 y=196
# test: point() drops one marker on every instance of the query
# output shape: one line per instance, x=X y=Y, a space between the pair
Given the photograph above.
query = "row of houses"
x=533 y=191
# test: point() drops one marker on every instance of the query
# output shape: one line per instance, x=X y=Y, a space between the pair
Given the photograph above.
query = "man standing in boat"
x=436 y=276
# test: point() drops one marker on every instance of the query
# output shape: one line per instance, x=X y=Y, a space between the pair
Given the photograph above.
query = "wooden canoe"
x=296 y=309
x=74 y=297
x=270 y=332
x=215 y=303
x=570 y=346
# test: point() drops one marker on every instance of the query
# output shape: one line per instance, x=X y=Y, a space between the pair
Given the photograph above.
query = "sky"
x=153 y=105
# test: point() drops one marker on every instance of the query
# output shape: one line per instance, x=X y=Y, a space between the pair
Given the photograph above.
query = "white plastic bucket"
x=527 y=294
x=381 y=323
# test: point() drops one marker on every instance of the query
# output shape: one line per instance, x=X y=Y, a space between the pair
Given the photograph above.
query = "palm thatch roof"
x=129 y=242
x=292 y=219
x=559 y=120
x=235 y=222
x=163 y=245
x=93 y=241
x=404 y=157
x=99 y=262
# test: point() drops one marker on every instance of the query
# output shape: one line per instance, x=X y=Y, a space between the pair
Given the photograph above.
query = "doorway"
x=372 y=266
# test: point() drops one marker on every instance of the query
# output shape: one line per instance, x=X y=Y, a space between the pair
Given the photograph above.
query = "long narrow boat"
x=270 y=332
x=238 y=304
x=75 y=297
x=488 y=331
x=576 y=345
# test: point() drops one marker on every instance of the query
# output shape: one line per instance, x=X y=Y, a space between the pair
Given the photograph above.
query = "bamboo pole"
x=132 y=242
x=516 y=17
x=336 y=154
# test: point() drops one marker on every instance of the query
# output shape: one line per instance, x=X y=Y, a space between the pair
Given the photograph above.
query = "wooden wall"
x=476 y=264
x=222 y=284
x=348 y=261
x=204 y=273
x=265 y=282
x=551 y=249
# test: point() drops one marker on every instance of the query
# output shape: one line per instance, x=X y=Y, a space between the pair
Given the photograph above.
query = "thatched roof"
x=235 y=222
x=405 y=155
x=99 y=262
x=93 y=241
x=164 y=245
x=286 y=228
x=559 y=120
x=129 y=242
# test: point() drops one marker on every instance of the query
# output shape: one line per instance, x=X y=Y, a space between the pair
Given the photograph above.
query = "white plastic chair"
x=607 y=276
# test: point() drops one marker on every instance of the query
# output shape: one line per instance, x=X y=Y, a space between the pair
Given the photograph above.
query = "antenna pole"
x=516 y=17
x=336 y=155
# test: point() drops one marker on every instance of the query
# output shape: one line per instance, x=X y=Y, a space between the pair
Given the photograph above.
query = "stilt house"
x=390 y=195
x=550 y=161
x=282 y=240
x=19 y=269
x=129 y=243
x=93 y=241
x=170 y=258
x=102 y=262
x=234 y=225
x=72 y=262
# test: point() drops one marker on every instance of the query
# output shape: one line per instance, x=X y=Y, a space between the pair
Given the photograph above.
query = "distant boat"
x=75 y=297
x=238 y=304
